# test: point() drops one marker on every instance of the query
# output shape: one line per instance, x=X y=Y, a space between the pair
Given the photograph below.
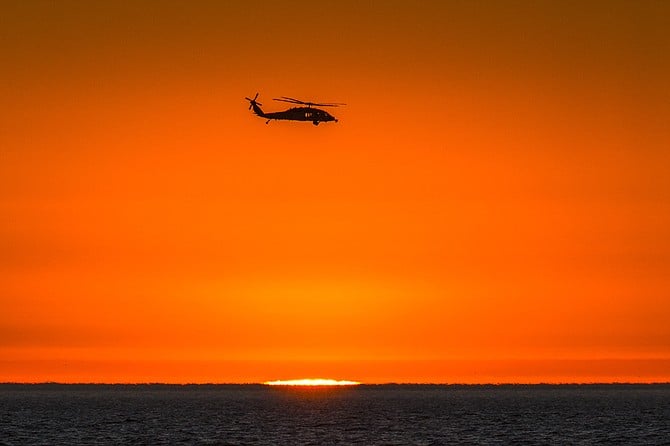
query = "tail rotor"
x=253 y=102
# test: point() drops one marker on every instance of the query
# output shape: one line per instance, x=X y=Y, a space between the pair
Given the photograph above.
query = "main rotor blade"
x=290 y=102
x=294 y=99
x=309 y=104
x=328 y=104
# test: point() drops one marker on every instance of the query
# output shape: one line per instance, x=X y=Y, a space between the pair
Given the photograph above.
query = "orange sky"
x=493 y=206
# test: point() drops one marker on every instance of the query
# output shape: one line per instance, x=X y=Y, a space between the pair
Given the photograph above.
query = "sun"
x=311 y=382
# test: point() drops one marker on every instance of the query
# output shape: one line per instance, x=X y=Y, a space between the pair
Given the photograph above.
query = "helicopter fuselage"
x=315 y=115
x=302 y=114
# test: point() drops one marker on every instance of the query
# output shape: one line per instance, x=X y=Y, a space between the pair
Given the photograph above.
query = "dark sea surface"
x=370 y=415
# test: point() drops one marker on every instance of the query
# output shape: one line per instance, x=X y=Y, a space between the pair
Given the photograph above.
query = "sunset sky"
x=492 y=206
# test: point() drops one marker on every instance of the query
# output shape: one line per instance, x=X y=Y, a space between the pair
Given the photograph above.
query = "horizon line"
x=390 y=383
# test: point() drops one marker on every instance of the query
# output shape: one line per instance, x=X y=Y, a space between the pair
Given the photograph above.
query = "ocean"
x=53 y=414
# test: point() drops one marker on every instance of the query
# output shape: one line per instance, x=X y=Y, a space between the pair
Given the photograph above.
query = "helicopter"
x=305 y=113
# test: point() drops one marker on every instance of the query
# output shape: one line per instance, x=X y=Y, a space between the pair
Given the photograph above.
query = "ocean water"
x=368 y=415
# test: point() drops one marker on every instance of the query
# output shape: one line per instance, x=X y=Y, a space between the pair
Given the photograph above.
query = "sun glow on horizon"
x=311 y=382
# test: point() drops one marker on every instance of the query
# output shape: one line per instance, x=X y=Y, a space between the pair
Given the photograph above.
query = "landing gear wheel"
x=315 y=122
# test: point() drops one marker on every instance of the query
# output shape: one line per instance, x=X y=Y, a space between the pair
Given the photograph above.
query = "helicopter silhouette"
x=308 y=113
